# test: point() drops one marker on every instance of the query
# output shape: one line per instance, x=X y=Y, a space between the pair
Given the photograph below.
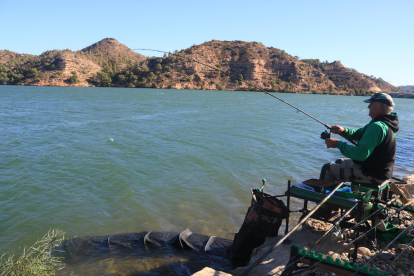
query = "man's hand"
x=331 y=142
x=337 y=129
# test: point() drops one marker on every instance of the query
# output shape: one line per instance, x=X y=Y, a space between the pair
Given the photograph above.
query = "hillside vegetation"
x=110 y=63
x=407 y=88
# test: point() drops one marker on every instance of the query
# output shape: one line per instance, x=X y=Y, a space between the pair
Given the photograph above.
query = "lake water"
x=99 y=161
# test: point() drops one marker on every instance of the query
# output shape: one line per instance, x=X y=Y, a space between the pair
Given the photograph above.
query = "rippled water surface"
x=99 y=161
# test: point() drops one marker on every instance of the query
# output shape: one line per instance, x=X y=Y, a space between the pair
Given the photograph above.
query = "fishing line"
x=251 y=84
x=323 y=136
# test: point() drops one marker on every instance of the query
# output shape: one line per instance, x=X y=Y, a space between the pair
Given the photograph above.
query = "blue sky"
x=374 y=37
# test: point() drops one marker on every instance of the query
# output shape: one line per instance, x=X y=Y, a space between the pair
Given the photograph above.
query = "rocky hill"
x=110 y=63
x=6 y=56
x=407 y=88
x=110 y=48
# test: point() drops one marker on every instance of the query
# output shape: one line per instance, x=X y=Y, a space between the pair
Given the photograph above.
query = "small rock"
x=335 y=256
x=409 y=179
x=365 y=257
x=364 y=251
x=392 y=271
x=351 y=247
x=379 y=262
x=385 y=256
x=399 y=271
x=401 y=246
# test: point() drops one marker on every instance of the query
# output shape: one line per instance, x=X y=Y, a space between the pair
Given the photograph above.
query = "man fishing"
x=372 y=160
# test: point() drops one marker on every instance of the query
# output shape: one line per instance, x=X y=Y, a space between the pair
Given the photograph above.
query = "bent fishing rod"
x=324 y=135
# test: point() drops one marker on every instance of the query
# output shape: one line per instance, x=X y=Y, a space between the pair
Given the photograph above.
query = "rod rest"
x=345 y=264
x=409 y=208
x=379 y=186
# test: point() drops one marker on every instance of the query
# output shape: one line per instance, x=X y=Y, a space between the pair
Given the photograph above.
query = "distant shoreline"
x=213 y=65
x=392 y=94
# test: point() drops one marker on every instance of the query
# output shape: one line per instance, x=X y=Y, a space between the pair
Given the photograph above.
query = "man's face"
x=375 y=109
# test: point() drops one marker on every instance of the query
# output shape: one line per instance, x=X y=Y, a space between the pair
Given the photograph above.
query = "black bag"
x=263 y=219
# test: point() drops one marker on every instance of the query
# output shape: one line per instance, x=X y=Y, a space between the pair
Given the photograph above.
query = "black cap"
x=381 y=98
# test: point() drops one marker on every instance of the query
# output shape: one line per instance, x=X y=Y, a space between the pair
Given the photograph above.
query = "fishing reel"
x=326 y=135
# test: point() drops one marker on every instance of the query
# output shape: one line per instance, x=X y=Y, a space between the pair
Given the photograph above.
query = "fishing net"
x=145 y=253
x=263 y=219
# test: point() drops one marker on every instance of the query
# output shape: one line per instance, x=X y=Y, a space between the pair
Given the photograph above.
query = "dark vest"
x=380 y=164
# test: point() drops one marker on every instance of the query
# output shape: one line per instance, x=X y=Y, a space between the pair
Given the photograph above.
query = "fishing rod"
x=337 y=237
x=408 y=271
x=353 y=227
x=324 y=135
x=353 y=241
x=396 y=258
x=333 y=226
x=385 y=248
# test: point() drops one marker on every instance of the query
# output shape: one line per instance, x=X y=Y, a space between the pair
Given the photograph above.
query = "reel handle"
x=261 y=188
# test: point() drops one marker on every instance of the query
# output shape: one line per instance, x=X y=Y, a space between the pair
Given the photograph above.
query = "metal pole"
x=288 y=207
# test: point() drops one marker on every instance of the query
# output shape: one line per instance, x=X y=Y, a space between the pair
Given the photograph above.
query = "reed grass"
x=35 y=260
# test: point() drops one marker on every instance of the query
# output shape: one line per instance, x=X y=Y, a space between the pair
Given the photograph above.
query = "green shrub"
x=151 y=76
x=3 y=78
x=33 y=73
x=287 y=87
x=74 y=78
x=121 y=78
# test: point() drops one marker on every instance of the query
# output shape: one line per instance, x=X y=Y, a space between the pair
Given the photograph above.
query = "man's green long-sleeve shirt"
x=370 y=136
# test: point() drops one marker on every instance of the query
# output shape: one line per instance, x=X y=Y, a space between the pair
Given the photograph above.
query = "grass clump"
x=36 y=260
